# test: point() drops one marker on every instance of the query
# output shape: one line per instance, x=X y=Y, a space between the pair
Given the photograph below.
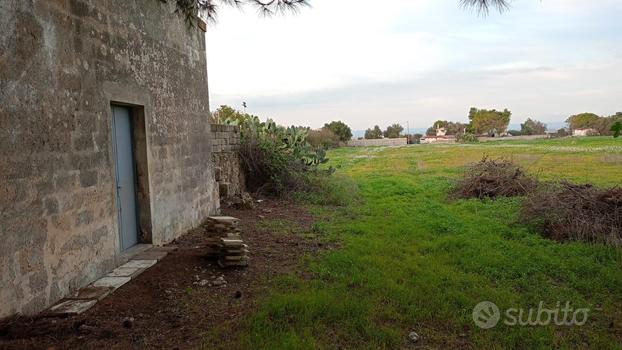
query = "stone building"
x=104 y=140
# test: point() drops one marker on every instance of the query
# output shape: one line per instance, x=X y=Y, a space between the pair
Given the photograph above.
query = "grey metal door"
x=125 y=177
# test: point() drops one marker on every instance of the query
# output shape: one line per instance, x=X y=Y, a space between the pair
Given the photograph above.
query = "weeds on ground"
x=330 y=190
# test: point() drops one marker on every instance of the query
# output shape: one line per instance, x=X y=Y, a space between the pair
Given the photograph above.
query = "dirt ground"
x=166 y=307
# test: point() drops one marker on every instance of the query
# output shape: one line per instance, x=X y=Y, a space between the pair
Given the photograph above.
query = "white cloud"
x=418 y=61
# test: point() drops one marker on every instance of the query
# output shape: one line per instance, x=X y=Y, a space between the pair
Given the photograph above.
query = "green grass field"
x=410 y=259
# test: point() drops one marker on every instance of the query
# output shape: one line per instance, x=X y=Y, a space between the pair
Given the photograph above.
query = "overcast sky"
x=393 y=61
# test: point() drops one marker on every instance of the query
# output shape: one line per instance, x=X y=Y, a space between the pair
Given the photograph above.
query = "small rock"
x=203 y=283
x=413 y=336
x=85 y=329
x=128 y=322
x=219 y=281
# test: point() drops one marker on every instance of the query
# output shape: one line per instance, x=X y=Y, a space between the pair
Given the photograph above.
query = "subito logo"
x=486 y=315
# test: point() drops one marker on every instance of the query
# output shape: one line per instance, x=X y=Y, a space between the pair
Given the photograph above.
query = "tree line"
x=483 y=122
x=603 y=126
x=392 y=132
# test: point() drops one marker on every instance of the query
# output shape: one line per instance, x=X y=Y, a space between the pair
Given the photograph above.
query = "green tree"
x=533 y=127
x=484 y=6
x=604 y=125
x=374 y=133
x=393 y=131
x=224 y=113
x=322 y=138
x=616 y=129
x=451 y=128
x=456 y=128
x=340 y=129
x=189 y=8
x=485 y=121
x=583 y=121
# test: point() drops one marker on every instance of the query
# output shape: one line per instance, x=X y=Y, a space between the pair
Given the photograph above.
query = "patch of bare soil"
x=174 y=304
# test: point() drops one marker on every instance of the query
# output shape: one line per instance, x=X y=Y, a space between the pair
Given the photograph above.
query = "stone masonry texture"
x=225 y=153
x=378 y=142
x=62 y=64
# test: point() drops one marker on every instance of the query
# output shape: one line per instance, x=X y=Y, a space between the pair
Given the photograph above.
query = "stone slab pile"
x=228 y=245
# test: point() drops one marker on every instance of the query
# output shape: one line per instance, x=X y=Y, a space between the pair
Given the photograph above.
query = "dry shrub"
x=491 y=178
x=323 y=138
x=568 y=211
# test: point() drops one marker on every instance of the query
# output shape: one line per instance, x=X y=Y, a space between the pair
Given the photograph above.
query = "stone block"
x=82 y=143
x=228 y=220
x=51 y=206
x=70 y=307
x=140 y=263
x=150 y=255
x=111 y=282
x=90 y=292
x=84 y=218
x=88 y=178
x=130 y=272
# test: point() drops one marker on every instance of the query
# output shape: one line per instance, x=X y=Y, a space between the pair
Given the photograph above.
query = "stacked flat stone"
x=232 y=250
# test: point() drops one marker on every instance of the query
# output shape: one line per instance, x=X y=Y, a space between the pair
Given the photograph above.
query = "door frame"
x=138 y=126
x=116 y=173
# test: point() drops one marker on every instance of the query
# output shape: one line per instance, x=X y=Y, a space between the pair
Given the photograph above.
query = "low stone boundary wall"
x=514 y=138
x=227 y=163
x=378 y=142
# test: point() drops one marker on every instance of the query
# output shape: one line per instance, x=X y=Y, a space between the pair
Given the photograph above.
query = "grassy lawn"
x=409 y=259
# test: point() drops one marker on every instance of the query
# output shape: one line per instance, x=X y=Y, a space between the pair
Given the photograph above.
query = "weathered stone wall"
x=62 y=64
x=378 y=142
x=513 y=138
x=225 y=147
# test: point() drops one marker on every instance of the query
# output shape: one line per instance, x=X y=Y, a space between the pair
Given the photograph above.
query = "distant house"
x=584 y=132
x=438 y=139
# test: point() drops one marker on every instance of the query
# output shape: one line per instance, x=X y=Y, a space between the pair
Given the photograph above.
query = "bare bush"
x=491 y=178
x=567 y=211
x=323 y=138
